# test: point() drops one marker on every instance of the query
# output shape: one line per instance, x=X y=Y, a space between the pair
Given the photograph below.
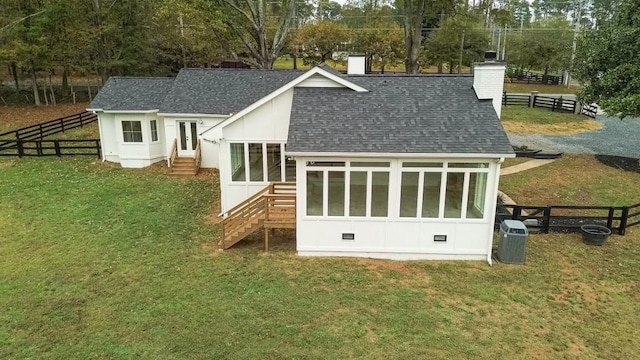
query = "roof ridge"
x=144 y=77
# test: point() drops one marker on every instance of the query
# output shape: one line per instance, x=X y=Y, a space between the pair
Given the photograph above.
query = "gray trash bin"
x=512 y=248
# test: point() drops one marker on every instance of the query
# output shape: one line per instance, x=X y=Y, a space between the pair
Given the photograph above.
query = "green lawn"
x=542 y=89
x=526 y=120
x=103 y=262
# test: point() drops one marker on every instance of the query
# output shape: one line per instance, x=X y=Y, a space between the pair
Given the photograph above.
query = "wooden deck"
x=273 y=207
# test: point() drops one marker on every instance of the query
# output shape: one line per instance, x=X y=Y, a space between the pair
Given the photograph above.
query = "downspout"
x=101 y=137
x=492 y=219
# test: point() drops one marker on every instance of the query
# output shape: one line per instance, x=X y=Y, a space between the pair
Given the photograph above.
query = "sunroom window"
x=260 y=162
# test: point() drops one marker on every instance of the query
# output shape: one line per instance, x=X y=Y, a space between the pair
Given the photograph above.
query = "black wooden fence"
x=535 y=78
x=22 y=148
x=47 y=128
x=569 y=218
x=558 y=104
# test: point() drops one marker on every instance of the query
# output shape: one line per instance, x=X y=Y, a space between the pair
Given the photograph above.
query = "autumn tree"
x=318 y=40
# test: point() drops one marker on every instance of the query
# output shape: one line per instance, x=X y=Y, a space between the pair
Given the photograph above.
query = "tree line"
x=158 y=37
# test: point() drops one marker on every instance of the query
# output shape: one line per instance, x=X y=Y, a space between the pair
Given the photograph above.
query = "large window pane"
x=379 y=194
x=183 y=135
x=358 y=193
x=194 y=135
x=314 y=193
x=409 y=194
x=237 y=162
x=431 y=195
x=477 y=192
x=421 y=164
x=256 y=171
x=274 y=162
x=453 y=196
x=336 y=193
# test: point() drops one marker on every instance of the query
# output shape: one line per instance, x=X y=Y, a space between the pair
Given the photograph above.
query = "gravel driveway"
x=617 y=137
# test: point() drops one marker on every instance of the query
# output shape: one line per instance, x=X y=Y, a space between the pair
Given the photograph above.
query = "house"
x=384 y=166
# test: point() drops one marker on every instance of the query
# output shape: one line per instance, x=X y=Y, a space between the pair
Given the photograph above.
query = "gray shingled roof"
x=399 y=114
x=131 y=93
x=222 y=91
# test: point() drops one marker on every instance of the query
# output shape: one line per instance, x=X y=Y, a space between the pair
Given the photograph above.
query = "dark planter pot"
x=594 y=234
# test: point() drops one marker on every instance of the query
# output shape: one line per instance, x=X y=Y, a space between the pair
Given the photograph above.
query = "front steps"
x=184 y=167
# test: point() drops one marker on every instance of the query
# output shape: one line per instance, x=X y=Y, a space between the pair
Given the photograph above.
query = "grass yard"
x=526 y=120
x=104 y=262
x=573 y=180
x=542 y=89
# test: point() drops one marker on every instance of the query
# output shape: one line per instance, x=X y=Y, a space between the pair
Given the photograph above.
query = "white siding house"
x=399 y=167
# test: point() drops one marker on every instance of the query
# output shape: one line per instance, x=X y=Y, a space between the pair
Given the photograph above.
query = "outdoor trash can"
x=512 y=248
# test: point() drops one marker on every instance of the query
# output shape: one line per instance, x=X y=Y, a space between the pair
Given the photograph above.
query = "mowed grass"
x=526 y=120
x=573 y=180
x=521 y=88
x=103 y=262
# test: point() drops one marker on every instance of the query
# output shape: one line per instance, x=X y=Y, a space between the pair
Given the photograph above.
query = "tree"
x=459 y=40
x=318 y=40
x=608 y=63
x=252 y=20
x=382 y=43
x=413 y=12
x=546 y=46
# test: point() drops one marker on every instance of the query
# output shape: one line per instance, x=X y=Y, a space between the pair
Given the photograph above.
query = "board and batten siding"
x=269 y=123
x=395 y=237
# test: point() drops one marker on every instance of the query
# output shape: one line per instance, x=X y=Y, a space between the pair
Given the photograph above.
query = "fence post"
x=99 y=149
x=560 y=100
x=81 y=121
x=40 y=127
x=62 y=124
x=504 y=98
x=39 y=147
x=532 y=99
x=546 y=222
x=577 y=107
x=517 y=211
x=56 y=145
x=553 y=106
x=623 y=220
x=20 y=148
x=610 y=217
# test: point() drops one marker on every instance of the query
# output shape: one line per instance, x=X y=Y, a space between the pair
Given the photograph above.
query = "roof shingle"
x=131 y=93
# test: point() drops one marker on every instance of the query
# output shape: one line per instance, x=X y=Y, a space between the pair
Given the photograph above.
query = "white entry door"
x=187 y=138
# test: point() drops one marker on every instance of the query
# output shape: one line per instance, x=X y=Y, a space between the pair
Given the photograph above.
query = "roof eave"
x=403 y=155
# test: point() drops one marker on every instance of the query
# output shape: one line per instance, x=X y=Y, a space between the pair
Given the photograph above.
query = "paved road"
x=617 y=137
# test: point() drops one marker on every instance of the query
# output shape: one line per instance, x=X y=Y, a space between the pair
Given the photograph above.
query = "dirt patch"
x=12 y=118
x=571 y=128
x=619 y=162
x=386 y=265
x=6 y=164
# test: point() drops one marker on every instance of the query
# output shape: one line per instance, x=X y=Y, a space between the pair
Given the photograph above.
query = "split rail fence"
x=28 y=141
x=569 y=218
x=554 y=104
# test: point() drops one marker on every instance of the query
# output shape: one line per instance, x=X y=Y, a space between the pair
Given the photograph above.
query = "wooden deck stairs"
x=184 y=166
x=273 y=207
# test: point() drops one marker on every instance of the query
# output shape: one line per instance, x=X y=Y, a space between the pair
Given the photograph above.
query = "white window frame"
x=348 y=169
x=151 y=131
x=122 y=131
x=445 y=169
x=265 y=165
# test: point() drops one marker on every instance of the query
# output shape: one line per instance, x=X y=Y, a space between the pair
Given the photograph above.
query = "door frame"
x=188 y=147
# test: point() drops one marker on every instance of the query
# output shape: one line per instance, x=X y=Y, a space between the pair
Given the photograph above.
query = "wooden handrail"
x=174 y=152
x=198 y=155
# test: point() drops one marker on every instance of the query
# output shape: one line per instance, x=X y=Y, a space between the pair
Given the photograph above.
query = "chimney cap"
x=490 y=56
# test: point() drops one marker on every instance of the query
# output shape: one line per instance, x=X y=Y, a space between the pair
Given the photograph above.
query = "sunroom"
x=395 y=207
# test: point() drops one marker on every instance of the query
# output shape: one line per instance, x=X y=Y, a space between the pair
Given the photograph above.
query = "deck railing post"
x=623 y=220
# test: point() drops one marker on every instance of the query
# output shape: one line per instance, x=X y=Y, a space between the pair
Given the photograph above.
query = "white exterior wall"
x=317 y=80
x=268 y=123
x=139 y=155
x=394 y=237
x=488 y=82
x=209 y=148
x=108 y=138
